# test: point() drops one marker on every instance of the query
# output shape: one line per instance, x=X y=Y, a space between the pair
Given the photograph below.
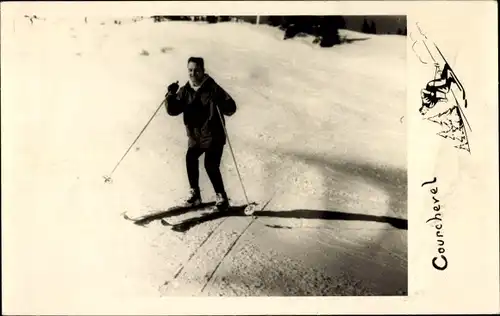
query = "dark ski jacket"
x=203 y=123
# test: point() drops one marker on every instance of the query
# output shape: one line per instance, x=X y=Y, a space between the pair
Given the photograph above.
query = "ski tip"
x=165 y=223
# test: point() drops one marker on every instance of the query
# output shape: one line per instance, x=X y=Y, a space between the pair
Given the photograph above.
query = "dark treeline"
x=204 y=18
x=369 y=28
x=324 y=28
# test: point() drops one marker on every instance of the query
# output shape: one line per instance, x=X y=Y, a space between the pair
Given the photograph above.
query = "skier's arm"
x=224 y=101
x=174 y=103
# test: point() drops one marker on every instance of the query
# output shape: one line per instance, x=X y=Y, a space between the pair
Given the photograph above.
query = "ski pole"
x=249 y=209
x=108 y=178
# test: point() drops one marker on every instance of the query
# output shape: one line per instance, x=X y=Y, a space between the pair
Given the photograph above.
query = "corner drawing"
x=443 y=98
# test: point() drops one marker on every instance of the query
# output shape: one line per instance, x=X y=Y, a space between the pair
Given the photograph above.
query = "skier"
x=199 y=100
x=437 y=89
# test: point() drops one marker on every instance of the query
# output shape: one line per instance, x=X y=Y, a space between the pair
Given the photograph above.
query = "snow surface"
x=323 y=129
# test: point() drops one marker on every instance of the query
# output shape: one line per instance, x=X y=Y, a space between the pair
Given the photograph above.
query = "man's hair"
x=197 y=60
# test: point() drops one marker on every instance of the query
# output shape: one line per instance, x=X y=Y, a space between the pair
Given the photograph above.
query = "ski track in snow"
x=321 y=127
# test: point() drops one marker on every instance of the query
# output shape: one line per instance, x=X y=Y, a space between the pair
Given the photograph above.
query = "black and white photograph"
x=169 y=155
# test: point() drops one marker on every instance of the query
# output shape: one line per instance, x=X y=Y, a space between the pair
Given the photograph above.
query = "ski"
x=209 y=210
x=212 y=213
x=172 y=211
x=453 y=75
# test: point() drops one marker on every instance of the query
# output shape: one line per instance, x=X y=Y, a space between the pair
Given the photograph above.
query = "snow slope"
x=320 y=128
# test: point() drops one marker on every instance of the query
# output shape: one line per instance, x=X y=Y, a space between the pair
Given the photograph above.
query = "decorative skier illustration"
x=443 y=98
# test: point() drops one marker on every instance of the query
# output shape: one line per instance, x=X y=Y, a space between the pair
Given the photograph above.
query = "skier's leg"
x=193 y=173
x=213 y=157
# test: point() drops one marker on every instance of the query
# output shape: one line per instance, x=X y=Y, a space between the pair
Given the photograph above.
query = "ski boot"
x=221 y=202
x=194 y=198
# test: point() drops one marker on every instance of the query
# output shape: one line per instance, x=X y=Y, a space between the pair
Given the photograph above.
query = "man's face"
x=196 y=73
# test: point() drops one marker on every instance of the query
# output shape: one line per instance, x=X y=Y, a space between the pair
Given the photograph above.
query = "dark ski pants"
x=213 y=156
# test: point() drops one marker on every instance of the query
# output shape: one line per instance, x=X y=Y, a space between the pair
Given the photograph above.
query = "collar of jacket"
x=197 y=88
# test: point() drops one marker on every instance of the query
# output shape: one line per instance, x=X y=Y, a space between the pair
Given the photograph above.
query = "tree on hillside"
x=325 y=28
x=365 y=28
x=329 y=30
x=161 y=18
x=198 y=18
x=402 y=32
x=341 y=23
x=212 y=19
x=275 y=20
x=373 y=28
x=292 y=25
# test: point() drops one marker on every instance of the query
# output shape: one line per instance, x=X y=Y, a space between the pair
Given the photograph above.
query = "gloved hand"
x=173 y=87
